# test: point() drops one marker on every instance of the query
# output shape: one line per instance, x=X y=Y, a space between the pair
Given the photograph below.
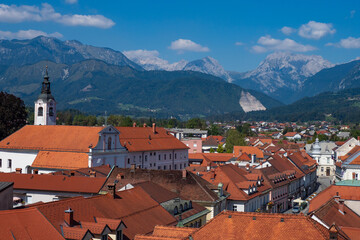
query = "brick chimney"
x=18 y=170
x=341 y=206
x=92 y=174
x=69 y=217
x=111 y=189
x=154 y=127
x=134 y=124
x=184 y=173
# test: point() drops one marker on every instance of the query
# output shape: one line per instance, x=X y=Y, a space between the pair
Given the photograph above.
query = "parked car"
x=296 y=209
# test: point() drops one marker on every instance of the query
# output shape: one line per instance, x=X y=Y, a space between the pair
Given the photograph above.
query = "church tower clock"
x=45 y=105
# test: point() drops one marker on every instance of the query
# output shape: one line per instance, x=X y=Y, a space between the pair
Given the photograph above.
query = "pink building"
x=194 y=144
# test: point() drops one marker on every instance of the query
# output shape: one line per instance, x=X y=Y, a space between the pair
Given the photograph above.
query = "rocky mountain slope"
x=281 y=74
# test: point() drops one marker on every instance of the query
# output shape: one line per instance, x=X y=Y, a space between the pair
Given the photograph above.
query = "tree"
x=220 y=149
x=195 y=123
x=214 y=130
x=12 y=114
x=234 y=138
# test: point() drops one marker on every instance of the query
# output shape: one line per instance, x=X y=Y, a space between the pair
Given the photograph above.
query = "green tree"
x=212 y=150
x=12 y=114
x=196 y=123
x=220 y=149
x=214 y=130
x=234 y=138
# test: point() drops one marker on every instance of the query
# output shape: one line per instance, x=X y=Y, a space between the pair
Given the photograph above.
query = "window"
x=322 y=169
x=175 y=166
x=9 y=163
x=151 y=154
x=154 y=153
x=175 y=155
x=159 y=157
x=185 y=206
x=145 y=158
x=170 y=155
x=128 y=160
x=164 y=156
x=164 y=167
x=40 y=111
x=176 y=211
x=158 y=167
x=51 y=111
x=180 y=166
x=150 y=165
x=119 y=235
x=234 y=208
x=109 y=143
x=0 y=162
x=154 y=164
x=181 y=208
x=169 y=167
x=104 y=237
x=195 y=145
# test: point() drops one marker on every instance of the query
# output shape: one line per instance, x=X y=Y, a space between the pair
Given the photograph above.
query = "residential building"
x=346 y=147
x=293 y=136
x=186 y=184
x=32 y=188
x=194 y=144
x=248 y=191
x=181 y=133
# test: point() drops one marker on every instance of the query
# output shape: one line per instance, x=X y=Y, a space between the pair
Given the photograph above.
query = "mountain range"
x=95 y=80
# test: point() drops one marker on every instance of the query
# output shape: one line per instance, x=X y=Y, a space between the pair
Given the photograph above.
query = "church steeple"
x=45 y=89
x=45 y=106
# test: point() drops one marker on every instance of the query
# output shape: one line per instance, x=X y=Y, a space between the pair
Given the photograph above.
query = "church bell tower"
x=45 y=105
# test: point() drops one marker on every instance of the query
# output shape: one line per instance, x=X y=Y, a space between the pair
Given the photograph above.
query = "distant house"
x=181 y=133
x=195 y=145
x=292 y=136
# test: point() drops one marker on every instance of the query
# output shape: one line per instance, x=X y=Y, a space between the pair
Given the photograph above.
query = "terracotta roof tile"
x=345 y=192
x=56 y=137
x=45 y=182
x=144 y=139
x=26 y=224
x=353 y=233
x=61 y=160
x=248 y=150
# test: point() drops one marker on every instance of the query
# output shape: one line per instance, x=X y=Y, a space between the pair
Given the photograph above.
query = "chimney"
x=144 y=125
x=212 y=174
x=333 y=232
x=184 y=173
x=154 y=127
x=35 y=171
x=69 y=217
x=111 y=189
x=18 y=170
x=132 y=168
x=134 y=124
x=253 y=158
x=341 y=206
x=92 y=174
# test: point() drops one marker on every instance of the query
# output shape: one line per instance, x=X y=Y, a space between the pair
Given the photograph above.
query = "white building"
x=323 y=153
x=345 y=148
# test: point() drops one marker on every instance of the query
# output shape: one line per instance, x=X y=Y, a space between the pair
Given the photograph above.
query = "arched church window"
x=109 y=143
x=51 y=111
x=40 y=111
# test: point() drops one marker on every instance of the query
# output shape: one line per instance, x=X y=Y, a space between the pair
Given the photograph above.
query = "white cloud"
x=22 y=13
x=71 y=1
x=316 y=30
x=267 y=43
x=27 y=34
x=239 y=43
x=287 y=30
x=182 y=45
x=349 y=42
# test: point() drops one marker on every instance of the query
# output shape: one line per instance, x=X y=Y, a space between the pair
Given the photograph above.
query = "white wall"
x=20 y=159
x=348 y=173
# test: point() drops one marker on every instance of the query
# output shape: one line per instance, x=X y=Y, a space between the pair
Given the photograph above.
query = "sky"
x=239 y=34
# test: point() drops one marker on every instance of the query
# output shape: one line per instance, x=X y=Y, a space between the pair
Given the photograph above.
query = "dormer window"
x=185 y=206
x=181 y=208
x=176 y=211
x=190 y=204
x=119 y=235
x=104 y=237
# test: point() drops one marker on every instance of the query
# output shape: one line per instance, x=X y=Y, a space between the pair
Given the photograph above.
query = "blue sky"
x=239 y=34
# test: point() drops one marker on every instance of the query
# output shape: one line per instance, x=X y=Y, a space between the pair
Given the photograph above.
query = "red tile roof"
x=248 y=150
x=61 y=160
x=134 y=207
x=26 y=224
x=329 y=213
x=255 y=226
x=290 y=134
x=345 y=192
x=56 y=137
x=353 y=233
x=57 y=183
x=144 y=139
